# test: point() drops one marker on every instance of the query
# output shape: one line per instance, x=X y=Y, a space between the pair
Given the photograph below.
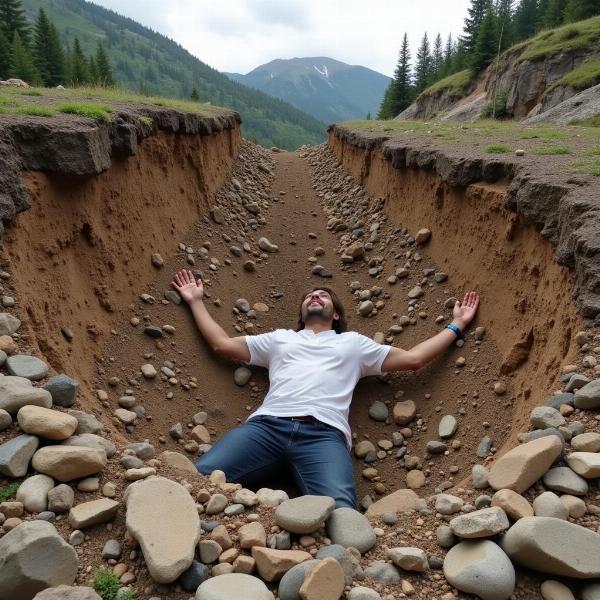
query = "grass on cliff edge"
x=91 y=102
x=456 y=85
x=584 y=76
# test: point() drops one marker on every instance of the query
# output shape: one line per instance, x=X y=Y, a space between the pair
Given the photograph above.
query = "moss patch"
x=584 y=76
x=456 y=85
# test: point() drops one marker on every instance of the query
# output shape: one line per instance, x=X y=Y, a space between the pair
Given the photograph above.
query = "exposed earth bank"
x=88 y=268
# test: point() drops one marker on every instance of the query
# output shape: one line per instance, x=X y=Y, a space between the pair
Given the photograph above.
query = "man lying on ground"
x=302 y=423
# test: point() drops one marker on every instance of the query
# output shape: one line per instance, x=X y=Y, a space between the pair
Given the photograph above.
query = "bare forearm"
x=431 y=348
x=211 y=331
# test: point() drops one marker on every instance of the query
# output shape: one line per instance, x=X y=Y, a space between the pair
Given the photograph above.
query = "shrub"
x=500 y=111
x=148 y=121
x=593 y=121
x=9 y=492
x=498 y=149
x=91 y=111
x=106 y=584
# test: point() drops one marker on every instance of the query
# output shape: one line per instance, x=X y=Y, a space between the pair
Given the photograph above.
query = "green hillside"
x=150 y=63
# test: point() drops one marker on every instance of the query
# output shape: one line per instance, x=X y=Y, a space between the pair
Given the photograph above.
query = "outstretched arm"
x=425 y=352
x=192 y=291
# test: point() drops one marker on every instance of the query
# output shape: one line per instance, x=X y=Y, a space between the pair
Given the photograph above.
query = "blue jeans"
x=316 y=454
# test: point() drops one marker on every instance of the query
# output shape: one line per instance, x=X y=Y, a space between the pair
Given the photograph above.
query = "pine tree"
x=486 y=45
x=4 y=55
x=47 y=51
x=368 y=118
x=525 y=19
x=423 y=65
x=94 y=77
x=105 y=75
x=448 y=54
x=385 y=109
x=21 y=62
x=437 y=59
x=12 y=19
x=403 y=90
x=195 y=96
x=57 y=62
x=577 y=10
x=79 y=72
x=554 y=13
x=506 y=34
x=472 y=24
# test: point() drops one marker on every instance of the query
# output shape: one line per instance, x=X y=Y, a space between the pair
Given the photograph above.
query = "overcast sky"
x=238 y=35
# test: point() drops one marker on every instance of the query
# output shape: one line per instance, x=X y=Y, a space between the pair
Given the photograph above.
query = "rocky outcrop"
x=580 y=105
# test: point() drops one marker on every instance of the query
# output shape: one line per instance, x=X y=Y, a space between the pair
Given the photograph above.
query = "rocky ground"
x=114 y=484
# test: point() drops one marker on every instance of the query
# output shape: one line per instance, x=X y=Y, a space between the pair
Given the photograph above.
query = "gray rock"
x=131 y=462
x=480 y=523
x=575 y=382
x=16 y=392
x=5 y=420
x=63 y=390
x=46 y=515
x=242 y=376
x=33 y=557
x=16 y=454
x=61 y=498
x=112 y=549
x=445 y=537
x=446 y=504
x=209 y=551
x=86 y=423
x=65 y=592
x=409 y=559
x=346 y=558
x=554 y=546
x=8 y=324
x=586 y=442
x=304 y=514
x=91 y=440
x=545 y=416
x=29 y=367
x=558 y=400
x=480 y=568
x=589 y=395
x=33 y=493
x=378 y=411
x=485 y=445
x=365 y=308
x=193 y=577
x=564 y=479
x=143 y=450
x=447 y=427
x=363 y=593
x=348 y=527
x=383 y=572
x=233 y=586
x=291 y=582
x=435 y=447
x=591 y=591
x=173 y=296
x=480 y=475
x=548 y=504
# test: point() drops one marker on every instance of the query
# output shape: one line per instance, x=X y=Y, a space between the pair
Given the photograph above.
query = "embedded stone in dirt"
x=233 y=586
x=400 y=501
x=522 y=466
x=63 y=390
x=480 y=568
x=304 y=514
x=480 y=523
x=272 y=564
x=33 y=557
x=178 y=461
x=16 y=454
x=348 y=527
x=362 y=593
x=9 y=324
x=167 y=537
x=404 y=412
x=16 y=392
x=265 y=245
x=65 y=592
x=447 y=426
x=423 y=236
x=66 y=463
x=242 y=376
x=94 y=512
x=46 y=423
x=324 y=582
x=409 y=559
x=30 y=367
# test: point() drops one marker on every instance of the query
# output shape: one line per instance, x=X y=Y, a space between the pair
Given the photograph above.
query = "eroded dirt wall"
x=527 y=303
x=96 y=235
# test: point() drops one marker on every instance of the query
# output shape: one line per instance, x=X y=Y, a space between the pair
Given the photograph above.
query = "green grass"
x=574 y=36
x=106 y=584
x=9 y=492
x=552 y=150
x=31 y=92
x=593 y=121
x=498 y=149
x=89 y=110
x=456 y=85
x=595 y=151
x=148 y=121
x=584 y=76
x=126 y=594
x=35 y=111
x=587 y=166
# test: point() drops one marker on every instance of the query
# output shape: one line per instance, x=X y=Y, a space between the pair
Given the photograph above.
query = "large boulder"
x=162 y=517
x=66 y=463
x=16 y=392
x=554 y=546
x=304 y=514
x=65 y=592
x=480 y=567
x=16 y=454
x=522 y=466
x=233 y=586
x=34 y=557
x=47 y=423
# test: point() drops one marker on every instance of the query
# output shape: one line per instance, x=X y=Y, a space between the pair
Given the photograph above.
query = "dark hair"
x=340 y=324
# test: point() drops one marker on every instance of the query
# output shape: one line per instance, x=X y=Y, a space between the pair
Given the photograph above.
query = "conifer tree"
x=437 y=58
x=4 y=55
x=57 y=62
x=526 y=18
x=423 y=65
x=577 y=10
x=506 y=34
x=12 y=19
x=48 y=53
x=105 y=75
x=472 y=23
x=399 y=94
x=368 y=117
x=195 y=96
x=78 y=66
x=385 y=109
x=486 y=45
x=93 y=77
x=554 y=15
x=21 y=62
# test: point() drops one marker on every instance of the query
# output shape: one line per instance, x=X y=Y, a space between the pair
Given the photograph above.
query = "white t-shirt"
x=314 y=374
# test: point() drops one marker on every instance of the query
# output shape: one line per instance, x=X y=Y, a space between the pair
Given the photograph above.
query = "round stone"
x=242 y=376
x=30 y=367
x=304 y=514
x=233 y=586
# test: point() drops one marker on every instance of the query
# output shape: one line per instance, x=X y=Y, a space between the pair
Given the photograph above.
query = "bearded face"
x=318 y=306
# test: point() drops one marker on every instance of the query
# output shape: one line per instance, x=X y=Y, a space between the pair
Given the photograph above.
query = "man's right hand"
x=190 y=289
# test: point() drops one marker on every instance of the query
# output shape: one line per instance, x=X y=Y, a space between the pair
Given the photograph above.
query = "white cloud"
x=238 y=35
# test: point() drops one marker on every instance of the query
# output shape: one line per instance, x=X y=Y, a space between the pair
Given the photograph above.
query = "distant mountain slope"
x=146 y=61
x=328 y=89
